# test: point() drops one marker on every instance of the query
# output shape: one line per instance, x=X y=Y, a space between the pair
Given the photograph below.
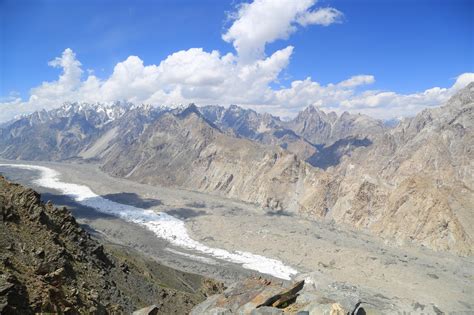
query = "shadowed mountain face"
x=331 y=155
x=410 y=183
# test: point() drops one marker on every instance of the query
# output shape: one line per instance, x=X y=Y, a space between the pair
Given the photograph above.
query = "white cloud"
x=208 y=78
x=357 y=80
x=48 y=94
x=67 y=82
x=192 y=75
x=71 y=69
x=264 y=21
x=380 y=104
x=324 y=16
x=195 y=75
x=463 y=80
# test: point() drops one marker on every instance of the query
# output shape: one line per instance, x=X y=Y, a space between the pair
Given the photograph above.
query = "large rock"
x=285 y=297
x=259 y=296
x=249 y=296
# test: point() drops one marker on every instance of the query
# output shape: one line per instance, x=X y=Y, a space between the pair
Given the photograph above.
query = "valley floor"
x=341 y=263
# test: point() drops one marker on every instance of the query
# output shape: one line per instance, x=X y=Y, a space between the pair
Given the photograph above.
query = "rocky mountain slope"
x=416 y=182
x=50 y=264
x=411 y=183
x=188 y=151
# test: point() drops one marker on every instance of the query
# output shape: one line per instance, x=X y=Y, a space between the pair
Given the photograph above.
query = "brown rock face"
x=411 y=184
x=415 y=183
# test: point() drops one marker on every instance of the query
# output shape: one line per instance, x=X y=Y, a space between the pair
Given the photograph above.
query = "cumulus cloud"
x=72 y=71
x=264 y=21
x=344 y=96
x=202 y=77
x=463 y=80
x=48 y=94
x=192 y=75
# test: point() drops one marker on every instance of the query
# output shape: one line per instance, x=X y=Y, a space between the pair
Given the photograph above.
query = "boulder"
x=285 y=297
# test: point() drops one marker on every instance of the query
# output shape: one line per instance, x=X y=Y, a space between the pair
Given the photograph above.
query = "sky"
x=384 y=58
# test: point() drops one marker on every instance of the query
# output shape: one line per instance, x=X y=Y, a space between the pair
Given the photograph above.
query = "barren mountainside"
x=416 y=181
x=412 y=183
x=186 y=151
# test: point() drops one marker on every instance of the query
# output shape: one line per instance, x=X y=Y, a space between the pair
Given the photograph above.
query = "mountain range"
x=411 y=183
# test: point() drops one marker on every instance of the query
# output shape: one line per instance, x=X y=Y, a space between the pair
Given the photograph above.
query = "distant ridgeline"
x=411 y=183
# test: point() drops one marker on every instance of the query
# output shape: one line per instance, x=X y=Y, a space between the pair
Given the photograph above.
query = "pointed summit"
x=188 y=110
x=320 y=127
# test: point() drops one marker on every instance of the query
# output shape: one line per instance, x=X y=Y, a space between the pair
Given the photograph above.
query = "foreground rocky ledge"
x=258 y=296
x=50 y=264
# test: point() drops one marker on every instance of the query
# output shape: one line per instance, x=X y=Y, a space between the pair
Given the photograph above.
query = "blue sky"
x=407 y=46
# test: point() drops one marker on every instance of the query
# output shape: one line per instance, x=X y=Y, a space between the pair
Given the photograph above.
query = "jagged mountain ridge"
x=372 y=178
x=263 y=128
x=323 y=128
x=57 y=134
x=312 y=135
x=63 y=132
